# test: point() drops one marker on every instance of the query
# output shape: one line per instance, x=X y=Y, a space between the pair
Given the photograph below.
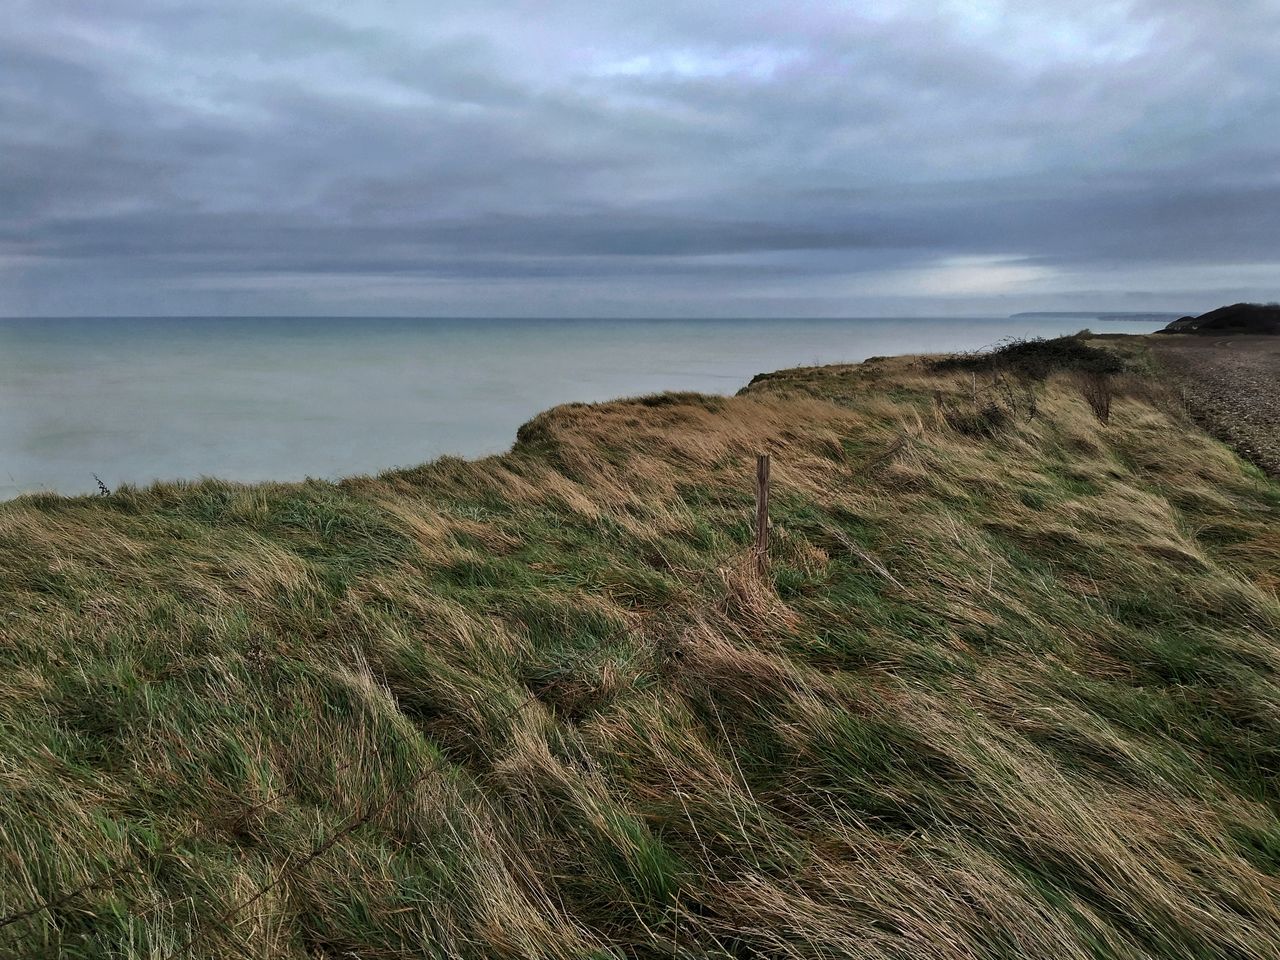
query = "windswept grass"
x=1003 y=695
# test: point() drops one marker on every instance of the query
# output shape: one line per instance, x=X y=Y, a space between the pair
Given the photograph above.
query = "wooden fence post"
x=762 y=514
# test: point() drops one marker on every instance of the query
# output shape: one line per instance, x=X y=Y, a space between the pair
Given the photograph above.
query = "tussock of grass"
x=1004 y=695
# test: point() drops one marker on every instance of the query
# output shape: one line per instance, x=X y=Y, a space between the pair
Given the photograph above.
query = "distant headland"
x=1108 y=317
x=1256 y=318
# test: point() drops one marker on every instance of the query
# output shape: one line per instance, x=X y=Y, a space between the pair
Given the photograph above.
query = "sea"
x=137 y=399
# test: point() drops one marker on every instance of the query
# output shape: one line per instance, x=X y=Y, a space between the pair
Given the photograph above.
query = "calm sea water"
x=134 y=400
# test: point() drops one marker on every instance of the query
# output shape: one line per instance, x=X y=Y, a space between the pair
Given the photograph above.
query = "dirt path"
x=1232 y=384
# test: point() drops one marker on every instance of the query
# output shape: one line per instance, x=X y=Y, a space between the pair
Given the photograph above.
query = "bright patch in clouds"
x=747 y=63
x=958 y=276
x=988 y=275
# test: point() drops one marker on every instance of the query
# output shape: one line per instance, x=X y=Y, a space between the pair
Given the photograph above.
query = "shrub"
x=1035 y=359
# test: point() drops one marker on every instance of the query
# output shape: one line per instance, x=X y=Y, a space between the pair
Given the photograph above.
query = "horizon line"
x=414 y=316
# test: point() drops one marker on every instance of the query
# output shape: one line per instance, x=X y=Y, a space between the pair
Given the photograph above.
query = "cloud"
x=661 y=158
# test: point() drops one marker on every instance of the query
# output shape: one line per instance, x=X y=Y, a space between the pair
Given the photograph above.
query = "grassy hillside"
x=1009 y=690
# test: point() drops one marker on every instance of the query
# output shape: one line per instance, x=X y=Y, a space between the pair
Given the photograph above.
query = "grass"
x=1010 y=693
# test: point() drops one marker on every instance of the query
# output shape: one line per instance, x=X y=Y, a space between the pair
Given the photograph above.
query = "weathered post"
x=762 y=514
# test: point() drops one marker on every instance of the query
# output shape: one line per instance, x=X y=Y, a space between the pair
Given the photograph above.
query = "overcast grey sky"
x=665 y=157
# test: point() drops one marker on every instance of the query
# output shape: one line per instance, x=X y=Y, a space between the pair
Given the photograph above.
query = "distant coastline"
x=1109 y=317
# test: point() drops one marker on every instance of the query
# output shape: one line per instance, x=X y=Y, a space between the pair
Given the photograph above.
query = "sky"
x=648 y=158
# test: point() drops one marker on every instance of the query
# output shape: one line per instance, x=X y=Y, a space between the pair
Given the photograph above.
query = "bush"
x=1035 y=359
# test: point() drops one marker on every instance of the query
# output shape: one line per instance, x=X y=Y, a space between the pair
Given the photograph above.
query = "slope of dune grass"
x=1004 y=693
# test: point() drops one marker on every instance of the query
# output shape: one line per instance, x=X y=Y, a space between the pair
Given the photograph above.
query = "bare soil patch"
x=1232 y=385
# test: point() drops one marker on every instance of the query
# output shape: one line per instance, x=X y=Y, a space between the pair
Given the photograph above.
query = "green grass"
x=1002 y=695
